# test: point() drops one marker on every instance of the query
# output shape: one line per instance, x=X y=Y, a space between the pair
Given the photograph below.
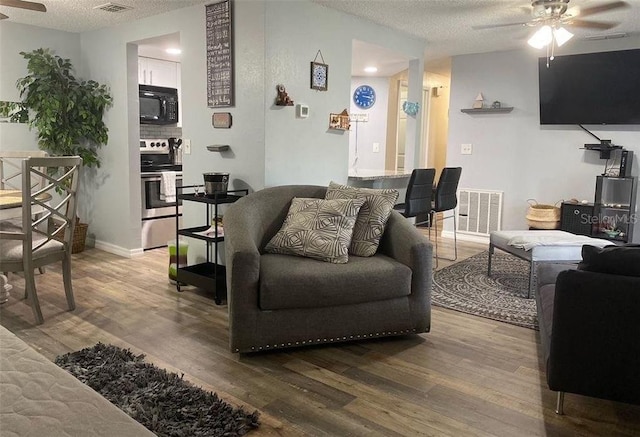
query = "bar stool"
x=419 y=192
x=446 y=199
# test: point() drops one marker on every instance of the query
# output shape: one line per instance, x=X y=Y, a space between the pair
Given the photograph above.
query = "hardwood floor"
x=468 y=377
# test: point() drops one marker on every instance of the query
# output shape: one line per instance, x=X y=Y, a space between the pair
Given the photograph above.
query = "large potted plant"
x=66 y=112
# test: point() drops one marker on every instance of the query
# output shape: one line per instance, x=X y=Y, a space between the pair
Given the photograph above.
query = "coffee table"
x=557 y=247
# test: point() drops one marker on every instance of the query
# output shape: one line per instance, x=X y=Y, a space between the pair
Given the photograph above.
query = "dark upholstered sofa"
x=590 y=332
x=279 y=301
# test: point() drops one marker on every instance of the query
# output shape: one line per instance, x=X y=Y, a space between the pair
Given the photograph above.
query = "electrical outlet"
x=186 y=146
x=376 y=147
x=466 y=149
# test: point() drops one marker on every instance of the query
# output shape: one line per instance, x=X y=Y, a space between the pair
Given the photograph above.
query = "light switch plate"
x=466 y=149
x=186 y=146
x=376 y=147
x=303 y=111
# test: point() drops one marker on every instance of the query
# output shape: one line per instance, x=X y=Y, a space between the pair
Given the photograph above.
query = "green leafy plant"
x=66 y=112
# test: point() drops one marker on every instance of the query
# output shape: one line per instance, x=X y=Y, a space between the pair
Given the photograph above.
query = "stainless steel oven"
x=158 y=216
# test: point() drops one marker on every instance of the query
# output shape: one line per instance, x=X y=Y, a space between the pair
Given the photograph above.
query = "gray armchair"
x=279 y=301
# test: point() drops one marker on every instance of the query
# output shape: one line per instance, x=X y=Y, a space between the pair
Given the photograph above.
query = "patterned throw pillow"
x=317 y=228
x=372 y=218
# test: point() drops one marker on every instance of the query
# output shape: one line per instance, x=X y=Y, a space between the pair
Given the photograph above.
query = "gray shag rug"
x=162 y=401
x=465 y=287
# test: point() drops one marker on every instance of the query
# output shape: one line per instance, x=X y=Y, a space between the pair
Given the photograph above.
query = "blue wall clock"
x=364 y=96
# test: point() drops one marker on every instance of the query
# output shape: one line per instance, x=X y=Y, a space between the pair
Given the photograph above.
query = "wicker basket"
x=541 y=216
x=79 y=237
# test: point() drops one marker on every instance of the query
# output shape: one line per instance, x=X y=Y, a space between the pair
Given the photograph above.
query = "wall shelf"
x=487 y=110
x=218 y=148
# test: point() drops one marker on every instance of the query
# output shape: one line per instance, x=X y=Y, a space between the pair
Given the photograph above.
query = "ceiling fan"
x=551 y=16
x=22 y=4
x=556 y=13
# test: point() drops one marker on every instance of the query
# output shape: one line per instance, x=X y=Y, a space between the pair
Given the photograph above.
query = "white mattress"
x=37 y=398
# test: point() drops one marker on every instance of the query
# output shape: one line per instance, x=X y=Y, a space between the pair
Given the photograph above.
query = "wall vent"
x=113 y=7
x=605 y=36
x=479 y=211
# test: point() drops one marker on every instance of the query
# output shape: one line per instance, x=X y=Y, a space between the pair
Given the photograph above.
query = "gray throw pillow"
x=372 y=218
x=317 y=228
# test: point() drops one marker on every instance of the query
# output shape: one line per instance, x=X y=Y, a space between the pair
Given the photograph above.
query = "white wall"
x=372 y=131
x=513 y=152
x=105 y=55
x=305 y=151
x=16 y=38
x=269 y=146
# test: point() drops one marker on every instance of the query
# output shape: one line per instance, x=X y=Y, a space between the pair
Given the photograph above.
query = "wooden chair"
x=11 y=168
x=11 y=174
x=33 y=245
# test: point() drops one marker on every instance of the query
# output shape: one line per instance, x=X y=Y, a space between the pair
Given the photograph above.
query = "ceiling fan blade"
x=602 y=8
x=494 y=26
x=3 y=16
x=592 y=24
x=22 y=4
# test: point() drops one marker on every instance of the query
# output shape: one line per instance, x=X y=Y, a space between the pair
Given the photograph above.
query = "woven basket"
x=79 y=237
x=542 y=216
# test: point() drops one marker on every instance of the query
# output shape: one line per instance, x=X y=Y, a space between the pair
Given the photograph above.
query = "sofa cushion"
x=293 y=282
x=614 y=260
x=317 y=228
x=372 y=217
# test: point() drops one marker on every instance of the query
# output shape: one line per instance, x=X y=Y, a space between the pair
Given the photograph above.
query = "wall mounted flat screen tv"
x=593 y=88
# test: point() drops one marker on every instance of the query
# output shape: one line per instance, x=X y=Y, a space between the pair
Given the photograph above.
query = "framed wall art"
x=319 y=74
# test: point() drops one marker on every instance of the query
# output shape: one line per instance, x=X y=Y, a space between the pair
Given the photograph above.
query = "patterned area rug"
x=161 y=401
x=465 y=287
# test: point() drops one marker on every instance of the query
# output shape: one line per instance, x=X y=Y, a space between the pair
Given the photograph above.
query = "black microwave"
x=158 y=105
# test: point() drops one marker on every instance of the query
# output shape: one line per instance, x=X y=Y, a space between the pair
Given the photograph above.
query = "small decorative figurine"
x=411 y=108
x=283 y=98
x=496 y=105
x=478 y=103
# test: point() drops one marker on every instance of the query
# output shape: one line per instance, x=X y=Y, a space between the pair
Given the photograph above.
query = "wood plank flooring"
x=468 y=377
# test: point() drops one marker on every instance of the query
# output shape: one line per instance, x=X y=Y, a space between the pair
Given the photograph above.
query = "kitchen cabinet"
x=209 y=275
x=158 y=72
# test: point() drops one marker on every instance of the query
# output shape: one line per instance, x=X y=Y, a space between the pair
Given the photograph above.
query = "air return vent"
x=112 y=7
x=479 y=211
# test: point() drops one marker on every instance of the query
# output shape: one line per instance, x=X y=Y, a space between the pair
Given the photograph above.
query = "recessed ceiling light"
x=173 y=51
x=371 y=69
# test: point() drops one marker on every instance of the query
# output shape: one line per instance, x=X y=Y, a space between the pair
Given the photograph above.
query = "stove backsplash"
x=159 y=131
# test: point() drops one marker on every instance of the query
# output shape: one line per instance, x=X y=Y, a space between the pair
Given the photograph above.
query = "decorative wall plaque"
x=220 y=80
x=221 y=120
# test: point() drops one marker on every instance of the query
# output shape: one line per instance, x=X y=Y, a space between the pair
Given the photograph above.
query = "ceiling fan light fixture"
x=541 y=38
x=561 y=35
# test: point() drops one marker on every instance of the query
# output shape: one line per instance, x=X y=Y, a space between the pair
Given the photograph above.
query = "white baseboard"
x=117 y=250
x=467 y=237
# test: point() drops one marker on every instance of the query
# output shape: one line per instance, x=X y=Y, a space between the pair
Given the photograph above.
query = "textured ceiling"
x=446 y=25
x=79 y=15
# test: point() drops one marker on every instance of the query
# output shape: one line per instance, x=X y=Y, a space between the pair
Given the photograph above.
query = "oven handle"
x=154 y=176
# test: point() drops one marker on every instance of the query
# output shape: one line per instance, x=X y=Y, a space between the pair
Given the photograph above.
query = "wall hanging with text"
x=220 y=83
